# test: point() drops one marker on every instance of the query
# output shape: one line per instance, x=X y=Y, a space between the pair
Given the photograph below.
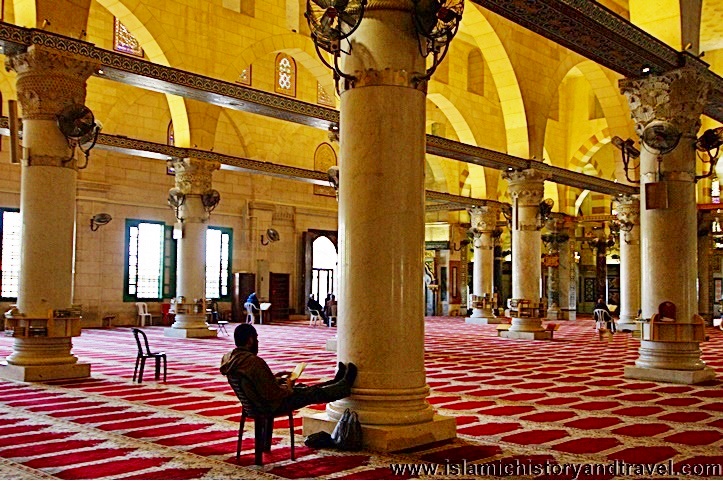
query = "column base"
x=331 y=344
x=554 y=314
x=485 y=320
x=198 y=332
x=669 y=375
x=528 y=335
x=627 y=325
x=50 y=372
x=386 y=438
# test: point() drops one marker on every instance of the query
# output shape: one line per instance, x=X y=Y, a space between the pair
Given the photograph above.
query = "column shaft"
x=381 y=234
x=47 y=82
x=669 y=352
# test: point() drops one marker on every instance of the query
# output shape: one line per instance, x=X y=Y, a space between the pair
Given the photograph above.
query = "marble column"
x=484 y=225
x=705 y=280
x=526 y=187
x=628 y=209
x=381 y=196
x=193 y=179
x=558 y=275
x=47 y=81
x=669 y=351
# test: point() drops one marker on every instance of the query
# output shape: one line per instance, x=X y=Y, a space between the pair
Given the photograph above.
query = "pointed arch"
x=155 y=54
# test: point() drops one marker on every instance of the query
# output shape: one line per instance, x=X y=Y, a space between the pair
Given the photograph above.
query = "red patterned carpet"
x=537 y=409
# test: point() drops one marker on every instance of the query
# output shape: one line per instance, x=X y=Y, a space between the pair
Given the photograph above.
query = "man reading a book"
x=276 y=393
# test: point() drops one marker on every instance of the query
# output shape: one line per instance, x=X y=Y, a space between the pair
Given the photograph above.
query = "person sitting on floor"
x=276 y=393
x=313 y=304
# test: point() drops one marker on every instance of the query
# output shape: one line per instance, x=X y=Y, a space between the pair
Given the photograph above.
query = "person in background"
x=313 y=304
x=608 y=318
x=330 y=306
x=254 y=300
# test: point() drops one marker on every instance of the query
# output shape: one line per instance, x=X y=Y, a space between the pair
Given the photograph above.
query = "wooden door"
x=279 y=286
x=244 y=283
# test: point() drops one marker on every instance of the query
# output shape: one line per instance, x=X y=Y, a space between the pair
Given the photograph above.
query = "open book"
x=297 y=371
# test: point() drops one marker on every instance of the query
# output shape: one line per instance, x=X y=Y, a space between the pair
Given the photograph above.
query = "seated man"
x=313 y=304
x=274 y=393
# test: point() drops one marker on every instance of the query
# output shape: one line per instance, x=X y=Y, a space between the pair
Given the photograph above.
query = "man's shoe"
x=340 y=372
x=350 y=374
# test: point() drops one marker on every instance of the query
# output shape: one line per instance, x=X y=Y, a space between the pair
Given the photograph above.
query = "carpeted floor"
x=524 y=409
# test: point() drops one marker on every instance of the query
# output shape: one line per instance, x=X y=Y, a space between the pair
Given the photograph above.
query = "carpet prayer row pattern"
x=531 y=403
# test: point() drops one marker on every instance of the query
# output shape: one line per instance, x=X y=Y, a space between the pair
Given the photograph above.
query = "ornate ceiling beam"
x=496 y=160
x=147 y=75
x=597 y=33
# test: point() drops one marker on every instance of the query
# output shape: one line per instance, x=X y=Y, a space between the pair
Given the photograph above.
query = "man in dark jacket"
x=272 y=393
x=314 y=305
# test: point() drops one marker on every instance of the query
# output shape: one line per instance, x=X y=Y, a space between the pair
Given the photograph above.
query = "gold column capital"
x=193 y=176
x=678 y=97
x=49 y=80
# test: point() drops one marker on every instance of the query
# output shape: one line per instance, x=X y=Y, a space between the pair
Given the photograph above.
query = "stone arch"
x=603 y=84
x=155 y=53
x=488 y=41
x=300 y=47
x=446 y=100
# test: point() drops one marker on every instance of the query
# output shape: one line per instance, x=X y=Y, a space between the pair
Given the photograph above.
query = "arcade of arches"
x=218 y=185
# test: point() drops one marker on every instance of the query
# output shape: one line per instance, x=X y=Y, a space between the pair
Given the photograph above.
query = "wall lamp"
x=98 y=220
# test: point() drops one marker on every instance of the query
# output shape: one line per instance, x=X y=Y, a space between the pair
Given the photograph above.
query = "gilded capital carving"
x=527 y=186
x=484 y=218
x=388 y=77
x=49 y=80
x=678 y=97
x=402 y=5
x=193 y=176
x=628 y=209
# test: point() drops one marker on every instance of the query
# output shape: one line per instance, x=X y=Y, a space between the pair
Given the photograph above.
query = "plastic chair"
x=144 y=352
x=143 y=314
x=263 y=421
x=315 y=317
x=250 y=316
x=603 y=319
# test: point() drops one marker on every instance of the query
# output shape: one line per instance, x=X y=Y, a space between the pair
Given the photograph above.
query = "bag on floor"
x=320 y=440
x=347 y=434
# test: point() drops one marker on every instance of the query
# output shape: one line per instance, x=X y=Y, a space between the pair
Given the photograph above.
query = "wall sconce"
x=272 y=235
x=462 y=244
x=628 y=150
x=98 y=220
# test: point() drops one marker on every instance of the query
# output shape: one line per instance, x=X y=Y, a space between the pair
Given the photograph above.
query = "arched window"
x=324 y=268
x=285 y=75
x=476 y=72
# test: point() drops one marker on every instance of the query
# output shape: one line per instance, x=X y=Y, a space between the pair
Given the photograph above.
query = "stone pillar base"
x=669 y=375
x=386 y=438
x=198 y=332
x=626 y=325
x=569 y=314
x=529 y=335
x=50 y=372
x=485 y=320
x=331 y=344
x=554 y=314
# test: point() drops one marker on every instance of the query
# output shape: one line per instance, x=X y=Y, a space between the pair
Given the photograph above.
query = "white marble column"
x=381 y=235
x=526 y=187
x=628 y=209
x=671 y=351
x=193 y=179
x=47 y=82
x=565 y=270
x=484 y=224
x=558 y=276
x=705 y=248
